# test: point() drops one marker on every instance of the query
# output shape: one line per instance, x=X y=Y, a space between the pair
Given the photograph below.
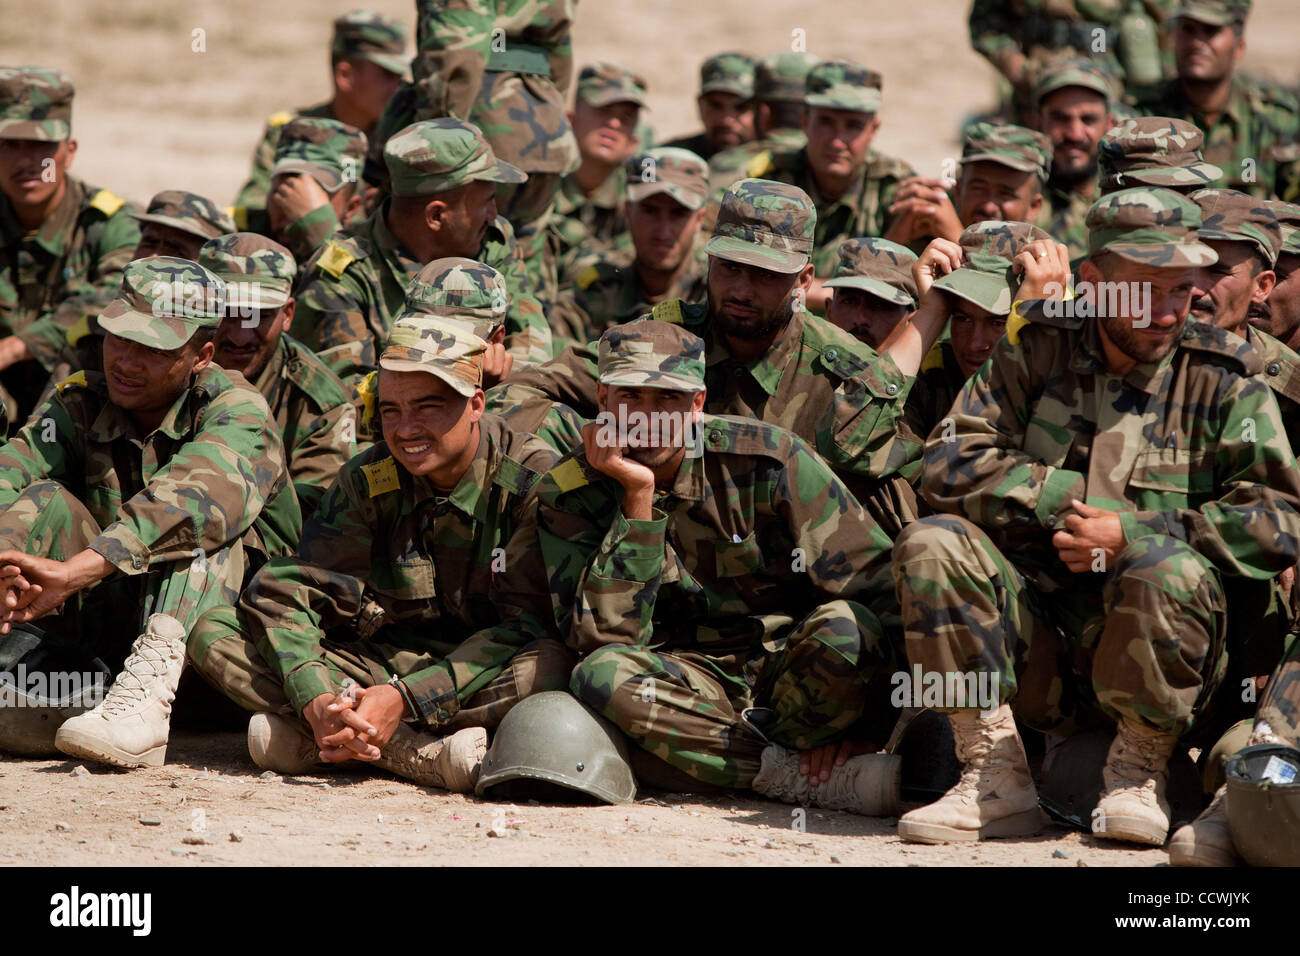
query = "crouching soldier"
x=132 y=502
x=731 y=603
x=416 y=612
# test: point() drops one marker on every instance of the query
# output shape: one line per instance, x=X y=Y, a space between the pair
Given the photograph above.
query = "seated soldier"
x=1153 y=151
x=1110 y=469
x=725 y=104
x=418 y=580
x=315 y=186
x=666 y=191
x=163 y=478
x=873 y=289
x=995 y=264
x=731 y=602
x=308 y=403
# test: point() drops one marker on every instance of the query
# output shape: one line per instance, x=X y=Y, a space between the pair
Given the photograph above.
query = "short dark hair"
x=786 y=114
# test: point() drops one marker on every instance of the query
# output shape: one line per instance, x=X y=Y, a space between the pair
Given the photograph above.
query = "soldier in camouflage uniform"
x=162 y=478
x=1283 y=318
x=707 y=637
x=726 y=106
x=1019 y=36
x=873 y=289
x=176 y=224
x=308 y=403
x=367 y=62
x=442 y=171
x=768 y=358
x=1001 y=263
x=779 y=113
x=1153 y=151
x=419 y=579
x=1106 y=476
x=63 y=243
x=666 y=192
x=852 y=192
x=589 y=204
x=314 y=181
x=1074 y=100
x=1245 y=122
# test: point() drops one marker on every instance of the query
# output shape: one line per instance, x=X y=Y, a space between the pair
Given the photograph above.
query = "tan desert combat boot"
x=867 y=784
x=282 y=744
x=1132 y=806
x=1207 y=840
x=129 y=727
x=451 y=763
x=995 y=796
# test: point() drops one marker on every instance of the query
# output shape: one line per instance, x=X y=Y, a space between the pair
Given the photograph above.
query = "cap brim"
x=329 y=179
x=752 y=254
x=877 y=287
x=502 y=172
x=638 y=191
x=392 y=62
x=249 y=292
x=742 y=92
x=1023 y=165
x=1197 y=174
x=1220 y=236
x=157 y=332
x=635 y=378
x=866 y=104
x=183 y=225
x=989 y=290
x=35 y=131
x=458 y=385
x=617 y=96
x=1095 y=84
x=1213 y=19
x=1170 y=254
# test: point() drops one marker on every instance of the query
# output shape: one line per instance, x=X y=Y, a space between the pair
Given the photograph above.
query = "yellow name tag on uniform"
x=568 y=475
x=335 y=260
x=75 y=380
x=381 y=477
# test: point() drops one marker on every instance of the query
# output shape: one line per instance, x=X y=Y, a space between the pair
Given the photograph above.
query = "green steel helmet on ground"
x=1263 y=804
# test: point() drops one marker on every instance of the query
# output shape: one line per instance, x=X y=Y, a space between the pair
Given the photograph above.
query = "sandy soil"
x=153 y=114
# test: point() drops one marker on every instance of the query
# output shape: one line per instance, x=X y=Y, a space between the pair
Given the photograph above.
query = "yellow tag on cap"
x=107 y=202
x=335 y=260
x=381 y=477
x=568 y=475
x=75 y=380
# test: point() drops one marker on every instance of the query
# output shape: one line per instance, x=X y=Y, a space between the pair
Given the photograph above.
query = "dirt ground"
x=152 y=114
x=211 y=806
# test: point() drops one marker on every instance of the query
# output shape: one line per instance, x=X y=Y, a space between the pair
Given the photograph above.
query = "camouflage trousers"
x=103 y=621
x=687 y=708
x=1147 y=641
x=1279 y=707
x=233 y=664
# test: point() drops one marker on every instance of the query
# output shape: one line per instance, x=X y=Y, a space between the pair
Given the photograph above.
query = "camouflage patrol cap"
x=436 y=155
x=1218 y=13
x=1149 y=225
x=368 y=36
x=989 y=250
x=782 y=76
x=330 y=152
x=878 y=266
x=765 y=224
x=1288 y=218
x=1153 y=151
x=464 y=289
x=163 y=301
x=841 y=85
x=1231 y=216
x=188 y=212
x=258 y=272
x=603 y=83
x=728 y=73
x=1015 y=146
x=445 y=348
x=648 y=353
x=667 y=169
x=35 y=103
x=1066 y=71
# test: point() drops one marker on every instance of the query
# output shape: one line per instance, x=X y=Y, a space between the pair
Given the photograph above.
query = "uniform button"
x=1274 y=368
x=715 y=438
x=892 y=389
x=1114 y=385
x=137 y=562
x=832 y=354
x=1050 y=521
x=737 y=371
